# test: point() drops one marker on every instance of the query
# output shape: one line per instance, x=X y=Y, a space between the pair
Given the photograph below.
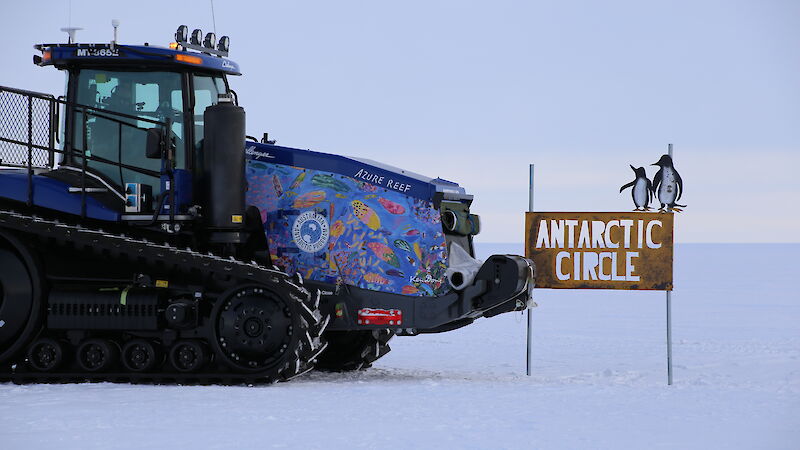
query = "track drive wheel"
x=272 y=333
x=46 y=354
x=354 y=350
x=20 y=297
x=97 y=355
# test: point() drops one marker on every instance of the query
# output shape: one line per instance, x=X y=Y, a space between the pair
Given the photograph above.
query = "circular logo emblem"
x=310 y=232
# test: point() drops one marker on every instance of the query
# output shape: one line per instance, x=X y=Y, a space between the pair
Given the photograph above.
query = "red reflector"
x=370 y=316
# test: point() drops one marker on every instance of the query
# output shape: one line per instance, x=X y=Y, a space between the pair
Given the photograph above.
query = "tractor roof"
x=78 y=55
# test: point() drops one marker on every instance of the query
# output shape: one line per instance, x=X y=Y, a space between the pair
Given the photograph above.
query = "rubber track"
x=357 y=355
x=229 y=270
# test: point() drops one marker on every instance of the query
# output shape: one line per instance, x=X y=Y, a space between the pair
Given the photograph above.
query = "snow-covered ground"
x=599 y=379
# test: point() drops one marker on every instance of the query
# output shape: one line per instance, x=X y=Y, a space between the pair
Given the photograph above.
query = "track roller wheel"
x=46 y=354
x=273 y=333
x=20 y=297
x=188 y=356
x=139 y=355
x=353 y=350
x=97 y=355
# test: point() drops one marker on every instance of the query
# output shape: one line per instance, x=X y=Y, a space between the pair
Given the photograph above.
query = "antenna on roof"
x=213 y=19
x=115 y=24
x=69 y=29
x=71 y=32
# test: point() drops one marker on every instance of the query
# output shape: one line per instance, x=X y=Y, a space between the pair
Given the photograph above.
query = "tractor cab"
x=128 y=135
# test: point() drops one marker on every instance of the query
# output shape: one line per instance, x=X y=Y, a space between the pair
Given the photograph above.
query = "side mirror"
x=154 y=148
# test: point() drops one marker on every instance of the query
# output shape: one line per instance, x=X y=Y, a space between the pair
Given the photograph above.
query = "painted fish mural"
x=337 y=229
x=375 y=278
x=276 y=184
x=411 y=232
x=309 y=199
x=328 y=181
x=402 y=245
x=377 y=239
x=409 y=290
x=299 y=179
x=392 y=207
x=367 y=187
x=366 y=214
x=384 y=253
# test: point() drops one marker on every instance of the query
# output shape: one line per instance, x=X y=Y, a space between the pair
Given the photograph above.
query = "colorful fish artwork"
x=298 y=180
x=329 y=182
x=282 y=170
x=378 y=239
x=384 y=253
x=375 y=278
x=409 y=290
x=392 y=207
x=418 y=251
x=367 y=187
x=337 y=229
x=366 y=214
x=411 y=232
x=276 y=184
x=309 y=199
x=402 y=245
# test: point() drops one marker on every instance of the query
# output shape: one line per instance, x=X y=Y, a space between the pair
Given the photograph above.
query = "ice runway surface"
x=599 y=379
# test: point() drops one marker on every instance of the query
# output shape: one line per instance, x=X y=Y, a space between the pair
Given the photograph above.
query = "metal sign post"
x=669 y=317
x=530 y=308
x=608 y=250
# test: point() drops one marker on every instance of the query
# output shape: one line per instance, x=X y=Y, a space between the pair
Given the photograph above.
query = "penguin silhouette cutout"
x=667 y=185
x=641 y=189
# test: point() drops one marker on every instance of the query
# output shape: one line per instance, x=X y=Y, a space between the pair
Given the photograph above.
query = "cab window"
x=148 y=95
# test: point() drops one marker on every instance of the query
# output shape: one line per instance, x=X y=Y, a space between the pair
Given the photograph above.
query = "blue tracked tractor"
x=144 y=237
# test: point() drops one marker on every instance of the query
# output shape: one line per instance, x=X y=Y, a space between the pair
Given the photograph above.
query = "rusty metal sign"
x=608 y=250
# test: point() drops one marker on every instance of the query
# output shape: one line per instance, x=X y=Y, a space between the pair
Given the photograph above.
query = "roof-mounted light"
x=197 y=37
x=198 y=43
x=182 y=34
x=224 y=44
x=191 y=59
x=40 y=60
x=210 y=40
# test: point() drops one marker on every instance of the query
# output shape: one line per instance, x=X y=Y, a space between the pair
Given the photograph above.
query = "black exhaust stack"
x=223 y=181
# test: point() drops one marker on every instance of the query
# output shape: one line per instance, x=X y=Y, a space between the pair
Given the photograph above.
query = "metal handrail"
x=50 y=97
x=84 y=153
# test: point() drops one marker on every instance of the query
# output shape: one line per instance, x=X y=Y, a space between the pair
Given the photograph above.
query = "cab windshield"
x=148 y=95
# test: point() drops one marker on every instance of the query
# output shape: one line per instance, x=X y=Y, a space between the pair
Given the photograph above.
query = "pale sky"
x=475 y=91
